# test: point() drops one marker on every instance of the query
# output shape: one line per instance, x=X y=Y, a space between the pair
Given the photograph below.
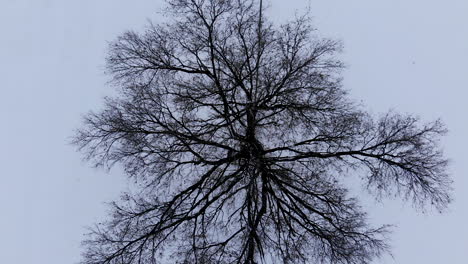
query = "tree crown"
x=239 y=133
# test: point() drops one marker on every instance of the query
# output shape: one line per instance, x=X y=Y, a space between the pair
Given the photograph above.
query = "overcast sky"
x=407 y=55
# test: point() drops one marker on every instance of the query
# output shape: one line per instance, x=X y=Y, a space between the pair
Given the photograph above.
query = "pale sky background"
x=408 y=55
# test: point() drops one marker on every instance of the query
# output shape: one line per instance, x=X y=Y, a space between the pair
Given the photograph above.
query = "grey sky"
x=406 y=55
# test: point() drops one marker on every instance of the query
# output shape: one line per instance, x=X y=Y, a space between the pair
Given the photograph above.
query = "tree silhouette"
x=238 y=133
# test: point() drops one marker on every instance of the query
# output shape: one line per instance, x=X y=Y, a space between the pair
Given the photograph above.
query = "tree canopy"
x=239 y=134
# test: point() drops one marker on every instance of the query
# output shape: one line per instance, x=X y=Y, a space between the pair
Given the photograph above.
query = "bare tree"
x=238 y=133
